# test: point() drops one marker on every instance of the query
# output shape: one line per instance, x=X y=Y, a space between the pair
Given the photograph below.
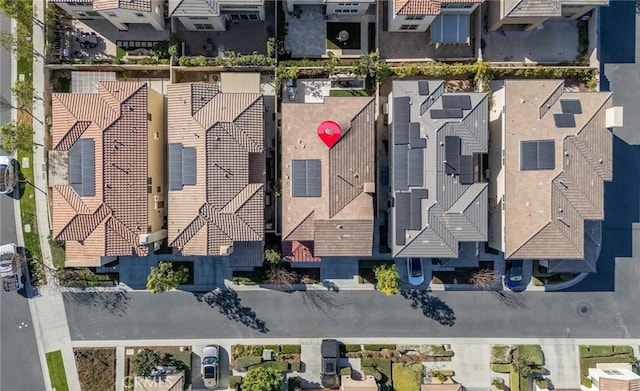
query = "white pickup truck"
x=10 y=267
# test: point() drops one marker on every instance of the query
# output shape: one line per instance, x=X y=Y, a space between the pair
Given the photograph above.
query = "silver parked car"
x=414 y=270
x=211 y=366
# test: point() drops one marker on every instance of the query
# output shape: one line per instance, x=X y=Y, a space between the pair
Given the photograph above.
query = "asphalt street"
x=19 y=360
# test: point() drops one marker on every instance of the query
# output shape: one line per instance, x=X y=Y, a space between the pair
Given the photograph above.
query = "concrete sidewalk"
x=48 y=312
x=470 y=361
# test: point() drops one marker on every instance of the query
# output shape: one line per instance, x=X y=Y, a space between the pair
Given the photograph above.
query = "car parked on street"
x=8 y=174
x=513 y=276
x=414 y=270
x=330 y=350
x=211 y=366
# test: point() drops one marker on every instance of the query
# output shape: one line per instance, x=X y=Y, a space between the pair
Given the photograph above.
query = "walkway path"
x=47 y=310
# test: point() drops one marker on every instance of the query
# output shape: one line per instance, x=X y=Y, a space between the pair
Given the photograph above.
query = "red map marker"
x=329 y=132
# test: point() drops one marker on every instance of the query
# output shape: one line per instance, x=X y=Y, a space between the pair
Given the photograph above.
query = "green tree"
x=388 y=279
x=145 y=361
x=272 y=256
x=164 y=277
x=262 y=379
x=24 y=93
x=14 y=135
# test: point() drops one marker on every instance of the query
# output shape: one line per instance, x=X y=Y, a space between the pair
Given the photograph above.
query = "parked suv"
x=8 y=175
x=330 y=350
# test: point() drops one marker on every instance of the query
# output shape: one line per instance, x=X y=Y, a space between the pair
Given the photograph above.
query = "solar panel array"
x=564 y=120
x=537 y=155
x=571 y=106
x=456 y=102
x=82 y=169
x=408 y=208
x=189 y=166
x=451 y=154
x=401 y=115
x=182 y=166
x=306 y=178
x=446 y=113
x=423 y=87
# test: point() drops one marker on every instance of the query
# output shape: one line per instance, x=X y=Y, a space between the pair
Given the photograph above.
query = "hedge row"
x=378 y=348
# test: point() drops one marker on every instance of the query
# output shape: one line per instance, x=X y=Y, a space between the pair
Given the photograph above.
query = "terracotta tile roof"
x=133 y=5
x=109 y=222
x=619 y=384
x=546 y=209
x=345 y=169
x=299 y=251
x=424 y=7
x=225 y=205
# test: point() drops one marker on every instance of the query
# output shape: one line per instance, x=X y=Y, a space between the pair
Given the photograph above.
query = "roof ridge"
x=299 y=224
x=73 y=199
x=125 y=232
x=74 y=229
x=241 y=198
x=226 y=222
x=188 y=232
x=429 y=228
x=72 y=135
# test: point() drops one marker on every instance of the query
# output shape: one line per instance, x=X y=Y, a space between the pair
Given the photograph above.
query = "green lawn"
x=56 y=371
x=590 y=355
x=532 y=353
x=407 y=378
x=348 y=93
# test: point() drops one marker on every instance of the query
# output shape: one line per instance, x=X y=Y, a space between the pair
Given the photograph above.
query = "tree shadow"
x=229 y=304
x=323 y=301
x=114 y=302
x=432 y=307
x=510 y=299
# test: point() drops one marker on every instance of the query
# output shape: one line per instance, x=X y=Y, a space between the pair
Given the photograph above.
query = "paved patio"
x=243 y=37
x=307 y=34
x=555 y=42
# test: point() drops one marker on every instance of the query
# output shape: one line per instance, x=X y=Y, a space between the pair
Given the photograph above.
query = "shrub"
x=275 y=348
x=542 y=382
x=295 y=382
x=234 y=381
x=439 y=351
x=296 y=366
x=345 y=371
x=531 y=354
x=500 y=354
x=350 y=348
x=388 y=279
x=378 y=348
x=586 y=381
x=502 y=368
x=242 y=363
x=442 y=372
x=291 y=349
x=370 y=371
x=277 y=365
x=536 y=281
x=498 y=383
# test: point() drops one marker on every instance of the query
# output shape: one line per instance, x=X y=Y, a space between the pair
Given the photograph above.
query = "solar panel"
x=403 y=210
x=88 y=167
x=314 y=178
x=452 y=154
x=175 y=166
x=423 y=87
x=546 y=155
x=189 y=166
x=401 y=115
x=400 y=239
x=306 y=178
x=537 y=155
x=420 y=193
x=414 y=130
x=416 y=167
x=466 y=170
x=418 y=143
x=400 y=162
x=571 y=106
x=446 y=113
x=416 y=213
x=564 y=120
x=75 y=164
x=456 y=102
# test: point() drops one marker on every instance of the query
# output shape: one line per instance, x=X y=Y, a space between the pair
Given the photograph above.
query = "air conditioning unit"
x=145 y=238
x=385 y=109
x=156 y=197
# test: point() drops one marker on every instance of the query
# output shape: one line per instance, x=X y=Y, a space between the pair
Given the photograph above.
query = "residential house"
x=366 y=383
x=530 y=14
x=450 y=20
x=550 y=155
x=439 y=194
x=328 y=178
x=106 y=172
x=334 y=7
x=613 y=377
x=216 y=172
x=215 y=15
x=119 y=12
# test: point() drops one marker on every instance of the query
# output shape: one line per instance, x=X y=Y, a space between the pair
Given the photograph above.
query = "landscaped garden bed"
x=282 y=357
x=174 y=356
x=57 y=372
x=590 y=355
x=96 y=368
x=461 y=275
x=519 y=361
x=258 y=276
x=85 y=277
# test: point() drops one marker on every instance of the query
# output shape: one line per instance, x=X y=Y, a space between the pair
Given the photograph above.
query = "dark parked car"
x=513 y=276
x=330 y=350
x=292 y=88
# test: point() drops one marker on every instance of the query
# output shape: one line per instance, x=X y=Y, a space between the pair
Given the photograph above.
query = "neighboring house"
x=334 y=7
x=119 y=12
x=438 y=187
x=216 y=172
x=613 y=377
x=450 y=20
x=168 y=380
x=550 y=155
x=106 y=172
x=327 y=188
x=368 y=383
x=530 y=14
x=214 y=15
